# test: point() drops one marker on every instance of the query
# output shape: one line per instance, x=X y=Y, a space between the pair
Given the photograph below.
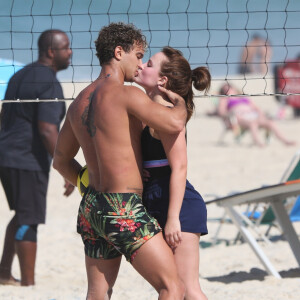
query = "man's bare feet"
x=10 y=281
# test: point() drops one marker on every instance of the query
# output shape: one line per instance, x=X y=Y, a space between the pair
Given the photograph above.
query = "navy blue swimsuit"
x=193 y=215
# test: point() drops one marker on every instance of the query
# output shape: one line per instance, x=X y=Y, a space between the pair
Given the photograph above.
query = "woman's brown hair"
x=181 y=78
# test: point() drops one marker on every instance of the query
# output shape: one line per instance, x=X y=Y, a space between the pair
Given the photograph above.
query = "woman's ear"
x=119 y=52
x=162 y=81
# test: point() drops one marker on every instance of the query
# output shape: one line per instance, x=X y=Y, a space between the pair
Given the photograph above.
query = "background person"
x=287 y=80
x=255 y=56
x=247 y=115
x=27 y=140
x=105 y=121
x=168 y=196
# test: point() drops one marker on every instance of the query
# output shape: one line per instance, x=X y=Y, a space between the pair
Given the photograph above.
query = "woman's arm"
x=175 y=148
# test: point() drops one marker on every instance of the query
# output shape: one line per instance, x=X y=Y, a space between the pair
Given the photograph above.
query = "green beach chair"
x=267 y=217
x=260 y=214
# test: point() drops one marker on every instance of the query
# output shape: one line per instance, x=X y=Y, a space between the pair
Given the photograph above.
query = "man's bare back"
x=109 y=136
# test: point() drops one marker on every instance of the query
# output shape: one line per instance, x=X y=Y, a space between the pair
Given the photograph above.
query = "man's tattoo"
x=87 y=117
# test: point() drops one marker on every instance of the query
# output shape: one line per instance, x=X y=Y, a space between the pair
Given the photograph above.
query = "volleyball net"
x=253 y=43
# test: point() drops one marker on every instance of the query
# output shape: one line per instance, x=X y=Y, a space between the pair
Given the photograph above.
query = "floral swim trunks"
x=112 y=224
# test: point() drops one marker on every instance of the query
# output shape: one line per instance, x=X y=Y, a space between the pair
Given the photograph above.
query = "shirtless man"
x=256 y=56
x=105 y=120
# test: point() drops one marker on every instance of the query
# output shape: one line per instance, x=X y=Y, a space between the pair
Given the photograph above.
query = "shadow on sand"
x=254 y=274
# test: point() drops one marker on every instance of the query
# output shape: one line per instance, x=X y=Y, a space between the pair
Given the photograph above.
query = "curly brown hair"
x=181 y=78
x=117 y=34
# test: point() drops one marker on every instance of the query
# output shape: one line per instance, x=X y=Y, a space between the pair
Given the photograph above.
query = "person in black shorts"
x=27 y=140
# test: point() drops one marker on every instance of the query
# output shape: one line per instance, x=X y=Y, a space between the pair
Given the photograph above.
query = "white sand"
x=226 y=272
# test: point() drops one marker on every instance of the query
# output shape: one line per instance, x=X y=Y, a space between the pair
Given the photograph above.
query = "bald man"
x=27 y=140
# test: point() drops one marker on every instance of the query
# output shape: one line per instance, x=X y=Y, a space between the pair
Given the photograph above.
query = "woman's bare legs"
x=263 y=122
x=187 y=262
x=253 y=126
x=271 y=126
x=155 y=262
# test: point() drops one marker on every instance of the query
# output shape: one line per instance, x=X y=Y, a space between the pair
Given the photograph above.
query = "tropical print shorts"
x=112 y=224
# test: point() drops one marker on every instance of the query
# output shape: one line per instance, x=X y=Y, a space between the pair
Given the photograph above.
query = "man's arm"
x=66 y=149
x=162 y=118
x=48 y=133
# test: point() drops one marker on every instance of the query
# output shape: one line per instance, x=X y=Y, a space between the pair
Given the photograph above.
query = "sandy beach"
x=226 y=272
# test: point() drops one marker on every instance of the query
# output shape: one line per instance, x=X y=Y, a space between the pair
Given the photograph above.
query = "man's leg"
x=26 y=245
x=26 y=252
x=155 y=262
x=8 y=254
x=102 y=275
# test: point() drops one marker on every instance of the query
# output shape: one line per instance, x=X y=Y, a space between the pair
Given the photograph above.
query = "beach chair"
x=295 y=212
x=275 y=195
x=267 y=217
x=262 y=214
x=292 y=205
x=230 y=125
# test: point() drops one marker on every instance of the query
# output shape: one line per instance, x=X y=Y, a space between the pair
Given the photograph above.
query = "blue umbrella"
x=7 y=69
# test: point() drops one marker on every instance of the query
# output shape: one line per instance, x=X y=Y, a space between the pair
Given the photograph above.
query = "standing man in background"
x=27 y=140
x=256 y=56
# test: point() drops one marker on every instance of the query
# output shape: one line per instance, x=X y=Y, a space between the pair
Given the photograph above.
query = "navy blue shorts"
x=193 y=214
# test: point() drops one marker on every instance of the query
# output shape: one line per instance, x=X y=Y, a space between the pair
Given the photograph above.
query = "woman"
x=247 y=116
x=168 y=196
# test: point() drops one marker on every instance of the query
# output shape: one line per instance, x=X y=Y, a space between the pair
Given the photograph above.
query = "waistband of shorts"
x=91 y=190
x=155 y=163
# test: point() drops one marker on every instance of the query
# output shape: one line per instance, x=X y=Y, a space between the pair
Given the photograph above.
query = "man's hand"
x=145 y=175
x=69 y=188
x=173 y=97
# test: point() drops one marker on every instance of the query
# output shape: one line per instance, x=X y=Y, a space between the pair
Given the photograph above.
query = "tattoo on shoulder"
x=87 y=117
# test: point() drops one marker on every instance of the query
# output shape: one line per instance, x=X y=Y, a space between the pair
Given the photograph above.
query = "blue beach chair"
x=267 y=216
x=262 y=214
